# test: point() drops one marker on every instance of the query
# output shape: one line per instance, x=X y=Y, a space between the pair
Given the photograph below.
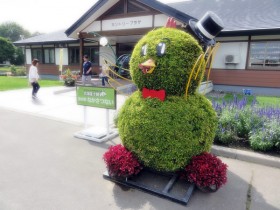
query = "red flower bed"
x=121 y=162
x=205 y=170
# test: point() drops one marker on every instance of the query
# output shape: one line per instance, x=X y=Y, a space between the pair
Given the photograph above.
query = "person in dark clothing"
x=87 y=70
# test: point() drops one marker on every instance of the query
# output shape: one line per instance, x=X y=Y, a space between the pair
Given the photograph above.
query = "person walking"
x=86 y=70
x=104 y=74
x=34 y=77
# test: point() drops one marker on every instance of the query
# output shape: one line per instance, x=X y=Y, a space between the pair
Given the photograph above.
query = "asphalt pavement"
x=44 y=167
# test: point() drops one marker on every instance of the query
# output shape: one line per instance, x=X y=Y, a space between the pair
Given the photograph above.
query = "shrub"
x=247 y=120
x=274 y=130
x=166 y=135
x=233 y=120
x=21 y=72
x=227 y=126
x=267 y=137
x=206 y=170
x=243 y=124
x=258 y=124
x=259 y=141
x=237 y=119
x=120 y=162
x=17 y=71
x=13 y=69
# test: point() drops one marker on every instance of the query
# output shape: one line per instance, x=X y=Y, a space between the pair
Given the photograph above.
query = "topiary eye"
x=161 y=48
x=144 y=50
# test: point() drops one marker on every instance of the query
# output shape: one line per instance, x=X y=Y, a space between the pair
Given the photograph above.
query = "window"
x=265 y=55
x=74 y=54
x=49 y=57
x=46 y=55
x=126 y=6
x=37 y=53
x=135 y=7
x=93 y=54
x=118 y=9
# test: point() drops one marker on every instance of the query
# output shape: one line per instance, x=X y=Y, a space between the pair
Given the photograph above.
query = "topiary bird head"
x=163 y=61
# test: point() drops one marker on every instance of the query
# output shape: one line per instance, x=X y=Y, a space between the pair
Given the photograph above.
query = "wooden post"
x=81 y=53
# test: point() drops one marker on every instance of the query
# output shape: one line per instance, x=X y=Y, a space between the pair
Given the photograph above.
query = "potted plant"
x=206 y=171
x=69 y=78
x=121 y=163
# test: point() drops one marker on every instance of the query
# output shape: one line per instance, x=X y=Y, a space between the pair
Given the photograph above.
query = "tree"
x=13 y=31
x=7 y=50
x=18 y=58
x=36 y=33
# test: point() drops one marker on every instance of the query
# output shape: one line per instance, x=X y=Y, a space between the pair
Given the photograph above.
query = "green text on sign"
x=96 y=96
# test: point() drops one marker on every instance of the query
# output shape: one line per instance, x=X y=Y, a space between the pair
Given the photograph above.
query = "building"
x=48 y=48
x=248 y=56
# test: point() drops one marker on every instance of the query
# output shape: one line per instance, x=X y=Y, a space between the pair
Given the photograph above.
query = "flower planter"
x=208 y=189
x=69 y=78
x=114 y=176
x=205 y=87
x=69 y=83
x=165 y=185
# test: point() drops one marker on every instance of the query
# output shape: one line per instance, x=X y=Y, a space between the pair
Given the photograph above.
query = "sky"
x=46 y=16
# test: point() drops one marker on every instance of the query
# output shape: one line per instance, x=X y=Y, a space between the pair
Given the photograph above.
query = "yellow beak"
x=148 y=66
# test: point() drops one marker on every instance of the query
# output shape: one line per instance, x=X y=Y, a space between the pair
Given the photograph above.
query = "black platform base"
x=164 y=185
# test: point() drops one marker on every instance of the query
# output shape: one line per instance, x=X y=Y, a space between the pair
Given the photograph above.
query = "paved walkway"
x=43 y=167
x=57 y=103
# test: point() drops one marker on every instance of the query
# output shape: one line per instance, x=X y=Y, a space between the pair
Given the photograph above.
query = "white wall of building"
x=65 y=56
x=237 y=49
x=108 y=54
x=160 y=20
x=28 y=56
x=127 y=23
x=95 y=26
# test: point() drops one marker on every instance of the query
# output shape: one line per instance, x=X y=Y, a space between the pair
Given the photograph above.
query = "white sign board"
x=127 y=23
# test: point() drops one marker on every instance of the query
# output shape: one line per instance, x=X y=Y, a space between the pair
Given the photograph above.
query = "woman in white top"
x=34 y=77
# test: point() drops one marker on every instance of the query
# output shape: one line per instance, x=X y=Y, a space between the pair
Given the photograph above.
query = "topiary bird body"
x=162 y=126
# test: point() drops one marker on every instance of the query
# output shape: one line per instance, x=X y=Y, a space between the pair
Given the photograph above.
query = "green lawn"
x=264 y=100
x=13 y=83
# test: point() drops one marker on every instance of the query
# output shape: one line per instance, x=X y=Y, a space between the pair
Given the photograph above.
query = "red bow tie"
x=160 y=94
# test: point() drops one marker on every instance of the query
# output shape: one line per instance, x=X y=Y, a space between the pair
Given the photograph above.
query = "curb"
x=247 y=156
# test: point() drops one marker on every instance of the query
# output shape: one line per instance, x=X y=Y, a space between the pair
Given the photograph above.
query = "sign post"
x=60 y=60
x=100 y=97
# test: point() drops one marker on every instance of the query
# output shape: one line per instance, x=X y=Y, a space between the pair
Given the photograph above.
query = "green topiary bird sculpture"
x=166 y=122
